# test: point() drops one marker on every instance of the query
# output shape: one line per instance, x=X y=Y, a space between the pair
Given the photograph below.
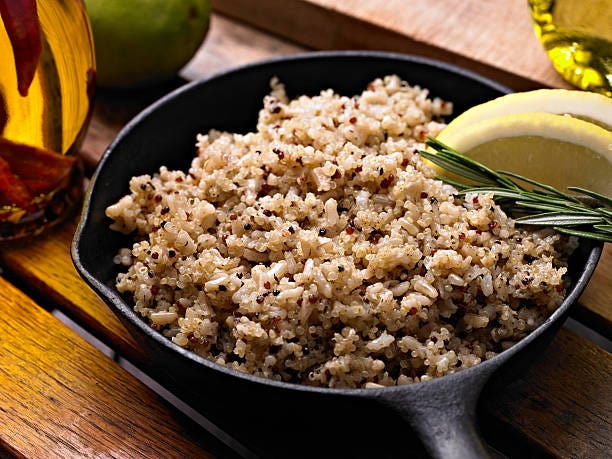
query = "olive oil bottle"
x=47 y=81
x=577 y=35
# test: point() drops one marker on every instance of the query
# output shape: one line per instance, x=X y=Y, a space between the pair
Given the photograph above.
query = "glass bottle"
x=47 y=82
x=577 y=36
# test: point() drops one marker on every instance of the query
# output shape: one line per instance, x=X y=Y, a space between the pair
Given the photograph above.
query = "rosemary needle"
x=589 y=217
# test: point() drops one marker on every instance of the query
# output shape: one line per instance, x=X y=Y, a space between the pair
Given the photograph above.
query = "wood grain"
x=57 y=284
x=494 y=38
x=231 y=44
x=62 y=398
x=595 y=304
x=562 y=405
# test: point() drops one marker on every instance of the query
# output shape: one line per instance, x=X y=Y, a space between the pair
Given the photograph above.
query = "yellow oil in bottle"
x=577 y=35
x=53 y=115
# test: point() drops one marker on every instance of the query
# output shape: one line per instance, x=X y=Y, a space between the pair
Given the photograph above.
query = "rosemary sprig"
x=588 y=216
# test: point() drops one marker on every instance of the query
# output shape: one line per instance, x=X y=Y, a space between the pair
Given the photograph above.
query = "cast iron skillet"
x=280 y=419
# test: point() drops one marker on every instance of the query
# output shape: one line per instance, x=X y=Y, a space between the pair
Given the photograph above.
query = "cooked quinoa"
x=319 y=249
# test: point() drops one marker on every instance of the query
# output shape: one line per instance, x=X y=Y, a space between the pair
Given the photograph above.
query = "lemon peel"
x=554 y=149
x=589 y=106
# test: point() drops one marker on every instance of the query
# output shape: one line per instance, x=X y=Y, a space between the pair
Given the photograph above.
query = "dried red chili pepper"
x=13 y=188
x=23 y=28
x=41 y=170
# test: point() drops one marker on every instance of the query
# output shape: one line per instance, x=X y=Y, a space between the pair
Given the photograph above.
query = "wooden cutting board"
x=492 y=37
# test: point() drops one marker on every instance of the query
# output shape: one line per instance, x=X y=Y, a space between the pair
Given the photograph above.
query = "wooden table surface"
x=61 y=396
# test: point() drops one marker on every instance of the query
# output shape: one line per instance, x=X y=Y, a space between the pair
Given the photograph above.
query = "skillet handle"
x=443 y=414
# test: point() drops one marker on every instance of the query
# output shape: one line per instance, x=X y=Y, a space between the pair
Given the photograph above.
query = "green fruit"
x=139 y=42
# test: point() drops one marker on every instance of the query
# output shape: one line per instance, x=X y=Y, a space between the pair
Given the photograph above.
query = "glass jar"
x=577 y=36
x=47 y=82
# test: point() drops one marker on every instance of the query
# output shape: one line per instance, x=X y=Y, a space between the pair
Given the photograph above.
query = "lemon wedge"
x=589 y=106
x=557 y=150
